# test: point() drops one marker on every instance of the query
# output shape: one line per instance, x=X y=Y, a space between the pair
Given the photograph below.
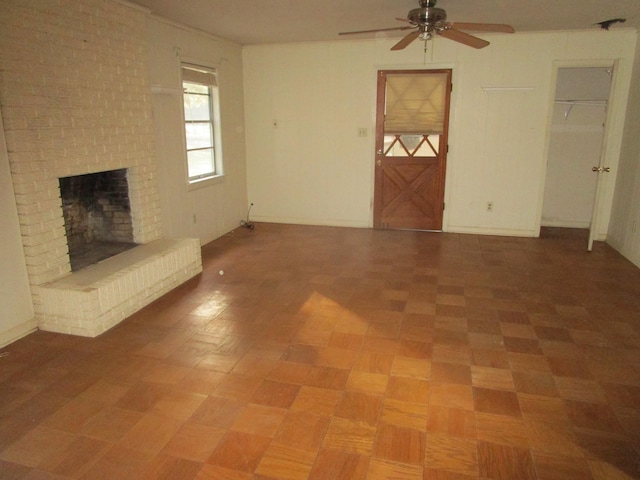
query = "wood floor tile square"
x=275 y=394
x=496 y=401
x=239 y=451
x=104 y=392
x=502 y=429
x=289 y=372
x=215 y=472
x=518 y=330
x=178 y=404
x=580 y=389
x=194 y=442
x=556 y=466
x=413 y=390
x=110 y=424
x=454 y=454
x=200 y=381
x=451 y=395
x=543 y=407
x=142 y=397
x=501 y=462
x=217 y=412
x=496 y=378
x=165 y=466
x=320 y=401
x=327 y=377
x=535 y=383
x=337 y=464
x=523 y=345
x=386 y=470
x=373 y=362
x=404 y=414
x=594 y=416
x=237 y=387
x=37 y=447
x=450 y=373
x=345 y=340
x=119 y=462
x=553 y=333
x=374 y=383
x=569 y=367
x=552 y=437
x=486 y=341
x=78 y=457
x=254 y=365
x=400 y=444
x=350 y=436
x=150 y=434
x=454 y=422
x=302 y=430
x=73 y=415
x=359 y=406
x=411 y=367
x=259 y=420
x=483 y=357
x=286 y=463
x=528 y=362
x=456 y=354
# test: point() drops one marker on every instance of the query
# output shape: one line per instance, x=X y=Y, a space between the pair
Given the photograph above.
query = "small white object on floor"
x=221 y=272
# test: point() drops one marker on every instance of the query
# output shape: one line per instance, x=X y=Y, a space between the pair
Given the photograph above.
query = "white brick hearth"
x=91 y=301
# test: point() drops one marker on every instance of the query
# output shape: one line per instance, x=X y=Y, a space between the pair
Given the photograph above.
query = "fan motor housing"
x=427 y=15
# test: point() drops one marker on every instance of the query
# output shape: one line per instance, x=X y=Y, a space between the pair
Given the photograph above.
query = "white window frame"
x=207 y=76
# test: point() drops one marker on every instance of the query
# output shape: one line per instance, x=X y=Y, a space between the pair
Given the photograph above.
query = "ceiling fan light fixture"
x=428 y=20
x=426 y=35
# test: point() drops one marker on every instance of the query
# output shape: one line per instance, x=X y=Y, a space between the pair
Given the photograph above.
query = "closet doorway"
x=576 y=154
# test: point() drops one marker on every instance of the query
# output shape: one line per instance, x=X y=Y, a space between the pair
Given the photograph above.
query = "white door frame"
x=603 y=162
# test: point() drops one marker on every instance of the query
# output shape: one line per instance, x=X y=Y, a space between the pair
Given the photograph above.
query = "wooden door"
x=411 y=148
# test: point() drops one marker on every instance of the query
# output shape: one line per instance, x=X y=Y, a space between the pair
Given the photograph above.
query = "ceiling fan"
x=428 y=19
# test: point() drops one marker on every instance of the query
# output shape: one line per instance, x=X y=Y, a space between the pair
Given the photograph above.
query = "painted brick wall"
x=75 y=99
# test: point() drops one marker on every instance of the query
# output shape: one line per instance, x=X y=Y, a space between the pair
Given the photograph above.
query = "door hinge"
x=447 y=148
x=451 y=87
x=444 y=205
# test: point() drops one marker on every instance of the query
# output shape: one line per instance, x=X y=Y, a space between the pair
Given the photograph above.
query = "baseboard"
x=17 y=332
x=500 y=232
x=565 y=223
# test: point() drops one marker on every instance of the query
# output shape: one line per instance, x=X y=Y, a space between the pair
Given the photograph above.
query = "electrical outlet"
x=489 y=206
x=362 y=132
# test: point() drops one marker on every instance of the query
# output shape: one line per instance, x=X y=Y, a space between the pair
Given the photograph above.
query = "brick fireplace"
x=76 y=101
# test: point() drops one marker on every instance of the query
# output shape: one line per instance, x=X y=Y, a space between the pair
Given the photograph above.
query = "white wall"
x=215 y=209
x=624 y=232
x=304 y=104
x=16 y=308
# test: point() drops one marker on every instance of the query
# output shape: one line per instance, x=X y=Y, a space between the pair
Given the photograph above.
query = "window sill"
x=205 y=182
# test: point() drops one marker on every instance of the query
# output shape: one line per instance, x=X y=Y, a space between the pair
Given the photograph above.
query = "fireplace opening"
x=97 y=216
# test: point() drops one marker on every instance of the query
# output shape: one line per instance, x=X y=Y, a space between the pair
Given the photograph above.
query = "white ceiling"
x=250 y=22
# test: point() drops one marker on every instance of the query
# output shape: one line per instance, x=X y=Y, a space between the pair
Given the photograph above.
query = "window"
x=202 y=124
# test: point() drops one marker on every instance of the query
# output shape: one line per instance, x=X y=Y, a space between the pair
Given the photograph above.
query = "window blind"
x=198 y=75
x=415 y=104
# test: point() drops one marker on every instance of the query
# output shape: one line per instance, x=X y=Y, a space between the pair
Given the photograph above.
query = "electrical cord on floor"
x=246 y=223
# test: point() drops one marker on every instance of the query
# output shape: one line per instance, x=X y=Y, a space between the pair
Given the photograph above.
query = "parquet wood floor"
x=333 y=353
